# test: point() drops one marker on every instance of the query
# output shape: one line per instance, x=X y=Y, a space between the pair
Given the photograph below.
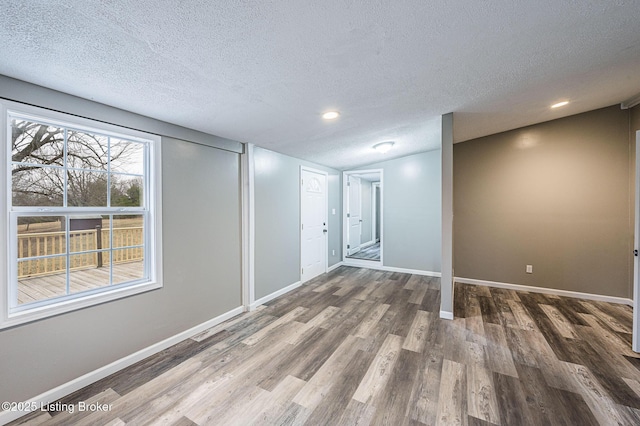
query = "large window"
x=81 y=216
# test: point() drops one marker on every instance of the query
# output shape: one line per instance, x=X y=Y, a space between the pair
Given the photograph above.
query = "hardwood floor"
x=369 y=253
x=358 y=346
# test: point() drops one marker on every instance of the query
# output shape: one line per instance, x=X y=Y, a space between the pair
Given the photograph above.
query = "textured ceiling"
x=263 y=71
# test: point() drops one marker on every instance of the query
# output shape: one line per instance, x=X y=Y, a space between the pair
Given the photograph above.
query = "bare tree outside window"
x=94 y=162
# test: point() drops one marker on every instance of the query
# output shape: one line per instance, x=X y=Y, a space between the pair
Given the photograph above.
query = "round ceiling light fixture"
x=330 y=115
x=384 y=147
x=560 y=104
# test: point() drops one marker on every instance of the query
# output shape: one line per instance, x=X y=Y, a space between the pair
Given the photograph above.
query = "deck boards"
x=357 y=346
x=43 y=287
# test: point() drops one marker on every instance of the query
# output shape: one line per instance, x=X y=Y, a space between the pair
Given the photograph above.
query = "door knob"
x=324 y=230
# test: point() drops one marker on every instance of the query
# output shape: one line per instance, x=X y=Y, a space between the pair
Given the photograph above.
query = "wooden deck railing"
x=52 y=243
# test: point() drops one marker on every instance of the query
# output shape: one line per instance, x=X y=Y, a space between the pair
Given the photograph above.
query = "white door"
x=354 y=215
x=314 y=224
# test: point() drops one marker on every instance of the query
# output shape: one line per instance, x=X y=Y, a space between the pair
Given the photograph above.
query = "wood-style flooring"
x=369 y=253
x=358 y=346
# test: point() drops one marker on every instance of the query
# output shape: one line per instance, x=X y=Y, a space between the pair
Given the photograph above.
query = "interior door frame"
x=374 y=211
x=636 y=247
x=350 y=251
x=345 y=223
x=326 y=216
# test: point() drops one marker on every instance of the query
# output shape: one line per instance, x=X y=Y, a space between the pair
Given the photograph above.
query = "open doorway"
x=362 y=217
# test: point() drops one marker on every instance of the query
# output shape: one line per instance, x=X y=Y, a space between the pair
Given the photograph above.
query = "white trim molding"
x=345 y=222
x=446 y=315
x=554 y=291
x=367 y=264
x=412 y=271
x=631 y=102
x=76 y=384
x=335 y=266
x=12 y=313
x=275 y=294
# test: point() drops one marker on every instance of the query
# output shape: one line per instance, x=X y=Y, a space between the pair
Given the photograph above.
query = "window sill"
x=28 y=315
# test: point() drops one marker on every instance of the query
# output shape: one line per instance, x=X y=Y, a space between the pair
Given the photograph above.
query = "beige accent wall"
x=555 y=195
x=635 y=119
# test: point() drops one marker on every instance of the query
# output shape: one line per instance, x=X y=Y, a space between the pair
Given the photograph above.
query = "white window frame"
x=8 y=233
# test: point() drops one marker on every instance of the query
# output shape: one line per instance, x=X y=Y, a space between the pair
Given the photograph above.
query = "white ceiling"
x=263 y=71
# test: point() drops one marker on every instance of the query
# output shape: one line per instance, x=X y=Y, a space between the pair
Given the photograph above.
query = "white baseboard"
x=557 y=292
x=411 y=271
x=102 y=372
x=336 y=266
x=275 y=294
x=446 y=315
x=359 y=263
x=366 y=264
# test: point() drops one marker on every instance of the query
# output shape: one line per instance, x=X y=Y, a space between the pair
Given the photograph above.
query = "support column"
x=446 y=281
x=248 y=227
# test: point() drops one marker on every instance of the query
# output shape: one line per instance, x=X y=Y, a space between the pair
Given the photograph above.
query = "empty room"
x=334 y=213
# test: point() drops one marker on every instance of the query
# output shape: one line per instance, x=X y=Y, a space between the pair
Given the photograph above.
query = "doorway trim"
x=345 y=223
x=325 y=250
x=374 y=211
x=636 y=247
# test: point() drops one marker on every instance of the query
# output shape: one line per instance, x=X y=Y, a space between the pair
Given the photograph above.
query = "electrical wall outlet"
x=529 y=269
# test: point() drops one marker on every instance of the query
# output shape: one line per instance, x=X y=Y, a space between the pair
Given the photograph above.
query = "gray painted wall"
x=367 y=217
x=201 y=245
x=28 y=93
x=277 y=220
x=411 y=211
x=554 y=195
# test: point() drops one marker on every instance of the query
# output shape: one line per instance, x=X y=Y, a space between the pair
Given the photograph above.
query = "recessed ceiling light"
x=330 y=115
x=559 y=104
x=383 y=147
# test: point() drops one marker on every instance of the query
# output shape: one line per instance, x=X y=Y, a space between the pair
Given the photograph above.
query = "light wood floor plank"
x=523 y=319
x=610 y=321
x=358 y=346
x=499 y=355
x=417 y=335
x=357 y=414
x=425 y=391
x=602 y=407
x=278 y=402
x=258 y=336
x=481 y=400
x=315 y=389
x=417 y=295
x=452 y=399
x=370 y=321
x=380 y=370
x=105 y=397
x=563 y=326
